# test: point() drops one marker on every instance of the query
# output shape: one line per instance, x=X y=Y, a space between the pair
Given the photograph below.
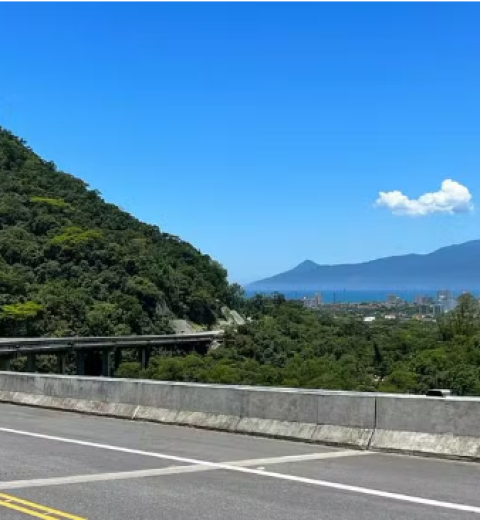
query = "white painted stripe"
x=251 y=471
x=100 y=477
x=301 y=458
x=172 y=470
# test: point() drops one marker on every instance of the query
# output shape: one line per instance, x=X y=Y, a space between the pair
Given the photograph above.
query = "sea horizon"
x=358 y=296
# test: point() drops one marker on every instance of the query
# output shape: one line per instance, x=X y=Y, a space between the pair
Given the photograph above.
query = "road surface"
x=58 y=465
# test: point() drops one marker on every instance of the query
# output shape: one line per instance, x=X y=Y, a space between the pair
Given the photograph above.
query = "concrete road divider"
x=445 y=427
x=448 y=427
x=324 y=417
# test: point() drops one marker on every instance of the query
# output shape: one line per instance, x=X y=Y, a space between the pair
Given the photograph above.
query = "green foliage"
x=464 y=320
x=21 y=311
x=18 y=319
x=74 y=236
x=55 y=203
x=130 y=369
x=92 y=268
x=286 y=344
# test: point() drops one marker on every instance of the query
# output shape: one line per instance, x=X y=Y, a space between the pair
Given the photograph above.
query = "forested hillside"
x=70 y=263
x=286 y=344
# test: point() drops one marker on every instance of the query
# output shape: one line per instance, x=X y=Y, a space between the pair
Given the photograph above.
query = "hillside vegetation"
x=70 y=263
x=286 y=344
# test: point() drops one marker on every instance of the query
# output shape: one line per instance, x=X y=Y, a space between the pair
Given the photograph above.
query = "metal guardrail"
x=9 y=346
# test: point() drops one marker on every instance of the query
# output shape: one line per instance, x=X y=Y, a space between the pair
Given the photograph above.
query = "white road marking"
x=251 y=471
x=99 y=477
x=172 y=470
x=303 y=458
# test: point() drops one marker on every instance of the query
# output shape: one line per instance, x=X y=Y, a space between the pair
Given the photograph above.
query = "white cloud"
x=452 y=198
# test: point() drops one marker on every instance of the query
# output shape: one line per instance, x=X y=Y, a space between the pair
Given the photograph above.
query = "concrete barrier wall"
x=421 y=425
x=326 y=417
x=428 y=425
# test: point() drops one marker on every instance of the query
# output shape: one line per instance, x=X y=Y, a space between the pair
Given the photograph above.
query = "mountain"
x=456 y=267
x=71 y=263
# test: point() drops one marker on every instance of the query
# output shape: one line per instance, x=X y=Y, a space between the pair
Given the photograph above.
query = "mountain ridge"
x=456 y=266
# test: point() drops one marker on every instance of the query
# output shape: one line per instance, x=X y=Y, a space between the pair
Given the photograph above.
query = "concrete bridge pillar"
x=31 y=363
x=117 y=359
x=80 y=360
x=106 y=365
x=5 y=363
x=61 y=363
x=144 y=356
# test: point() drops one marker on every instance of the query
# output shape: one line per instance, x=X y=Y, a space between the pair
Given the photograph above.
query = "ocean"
x=356 y=296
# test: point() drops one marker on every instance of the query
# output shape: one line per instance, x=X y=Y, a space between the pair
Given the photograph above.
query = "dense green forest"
x=286 y=344
x=72 y=264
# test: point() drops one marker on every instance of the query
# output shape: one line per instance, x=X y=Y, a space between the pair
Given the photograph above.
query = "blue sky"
x=261 y=133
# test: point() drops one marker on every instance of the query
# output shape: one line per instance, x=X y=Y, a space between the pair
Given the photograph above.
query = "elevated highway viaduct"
x=99 y=355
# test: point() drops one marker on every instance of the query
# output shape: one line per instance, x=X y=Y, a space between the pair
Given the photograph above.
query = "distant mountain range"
x=455 y=267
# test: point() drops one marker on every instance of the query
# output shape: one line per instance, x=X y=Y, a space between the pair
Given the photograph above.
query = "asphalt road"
x=57 y=465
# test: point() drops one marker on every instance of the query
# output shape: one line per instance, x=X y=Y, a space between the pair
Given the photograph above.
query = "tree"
x=17 y=319
x=464 y=320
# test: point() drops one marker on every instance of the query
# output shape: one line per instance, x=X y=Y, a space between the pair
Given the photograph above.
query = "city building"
x=429 y=306
x=393 y=299
x=314 y=302
x=449 y=305
x=425 y=309
x=424 y=300
x=444 y=295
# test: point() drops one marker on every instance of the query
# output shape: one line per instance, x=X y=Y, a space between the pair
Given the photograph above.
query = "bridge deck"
x=9 y=346
x=107 y=469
